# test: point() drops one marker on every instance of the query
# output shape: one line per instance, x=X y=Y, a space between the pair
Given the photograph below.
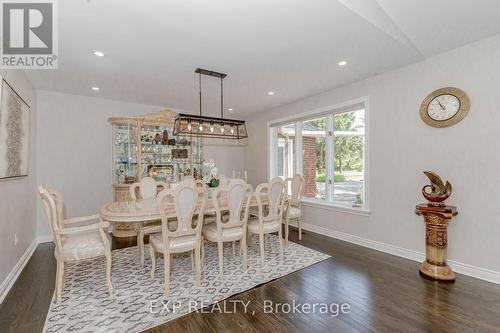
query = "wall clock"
x=445 y=107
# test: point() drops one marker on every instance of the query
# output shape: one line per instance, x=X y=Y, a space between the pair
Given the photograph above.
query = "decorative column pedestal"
x=436 y=241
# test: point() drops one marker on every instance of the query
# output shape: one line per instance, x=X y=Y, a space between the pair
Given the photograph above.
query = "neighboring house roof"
x=310 y=128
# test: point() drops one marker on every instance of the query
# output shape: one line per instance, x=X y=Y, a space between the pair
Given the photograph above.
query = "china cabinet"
x=145 y=146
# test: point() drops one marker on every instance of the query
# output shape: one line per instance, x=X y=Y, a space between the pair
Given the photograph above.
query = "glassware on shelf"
x=124 y=152
x=154 y=143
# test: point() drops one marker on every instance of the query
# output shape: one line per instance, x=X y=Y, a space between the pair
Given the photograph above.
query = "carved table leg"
x=436 y=244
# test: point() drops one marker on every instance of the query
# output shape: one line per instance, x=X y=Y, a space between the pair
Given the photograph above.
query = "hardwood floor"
x=385 y=294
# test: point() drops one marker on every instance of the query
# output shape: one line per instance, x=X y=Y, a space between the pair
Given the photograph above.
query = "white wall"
x=17 y=196
x=402 y=146
x=228 y=156
x=74 y=150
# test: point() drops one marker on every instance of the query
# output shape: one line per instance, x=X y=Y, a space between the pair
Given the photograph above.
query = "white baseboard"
x=458 y=267
x=18 y=268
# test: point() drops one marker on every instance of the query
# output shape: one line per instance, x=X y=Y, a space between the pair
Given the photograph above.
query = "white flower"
x=214 y=171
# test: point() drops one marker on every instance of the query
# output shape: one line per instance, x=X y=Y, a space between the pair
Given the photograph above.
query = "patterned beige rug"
x=138 y=302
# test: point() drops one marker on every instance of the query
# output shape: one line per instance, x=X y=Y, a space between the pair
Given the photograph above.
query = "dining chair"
x=230 y=226
x=268 y=220
x=180 y=204
x=293 y=188
x=223 y=180
x=147 y=188
x=75 y=243
x=200 y=184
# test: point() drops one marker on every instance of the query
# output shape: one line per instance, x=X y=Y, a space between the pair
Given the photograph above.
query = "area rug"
x=138 y=302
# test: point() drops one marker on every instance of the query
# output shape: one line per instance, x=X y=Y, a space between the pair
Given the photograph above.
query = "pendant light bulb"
x=211 y=127
x=232 y=129
x=189 y=125
x=201 y=126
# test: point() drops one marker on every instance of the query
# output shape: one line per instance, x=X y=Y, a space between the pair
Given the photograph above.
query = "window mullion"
x=273 y=152
x=329 y=158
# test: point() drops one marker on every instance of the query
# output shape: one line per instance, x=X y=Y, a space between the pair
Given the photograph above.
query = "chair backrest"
x=148 y=188
x=54 y=207
x=237 y=195
x=294 y=188
x=274 y=192
x=182 y=204
x=200 y=184
x=223 y=180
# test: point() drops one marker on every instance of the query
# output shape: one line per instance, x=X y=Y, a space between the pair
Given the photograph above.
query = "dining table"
x=135 y=213
x=147 y=210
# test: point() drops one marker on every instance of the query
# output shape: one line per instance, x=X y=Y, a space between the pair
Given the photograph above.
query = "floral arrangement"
x=210 y=173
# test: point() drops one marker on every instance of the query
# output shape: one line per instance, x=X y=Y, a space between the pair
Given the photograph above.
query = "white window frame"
x=328 y=112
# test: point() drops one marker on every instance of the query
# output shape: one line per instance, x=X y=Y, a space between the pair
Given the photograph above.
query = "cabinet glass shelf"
x=143 y=147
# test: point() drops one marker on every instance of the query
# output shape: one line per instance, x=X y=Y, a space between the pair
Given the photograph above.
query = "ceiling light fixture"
x=270 y=93
x=182 y=125
x=95 y=88
x=230 y=109
x=99 y=53
x=342 y=63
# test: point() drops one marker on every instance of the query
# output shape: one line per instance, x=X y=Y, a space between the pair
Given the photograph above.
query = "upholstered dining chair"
x=147 y=188
x=75 y=243
x=269 y=220
x=230 y=227
x=180 y=204
x=293 y=188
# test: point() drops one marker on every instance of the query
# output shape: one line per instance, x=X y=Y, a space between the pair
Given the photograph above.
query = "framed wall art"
x=14 y=133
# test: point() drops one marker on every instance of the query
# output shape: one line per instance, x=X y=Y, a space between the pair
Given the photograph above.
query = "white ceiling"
x=291 y=47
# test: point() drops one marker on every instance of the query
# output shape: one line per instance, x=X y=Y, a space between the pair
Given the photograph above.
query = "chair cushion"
x=294 y=212
x=253 y=226
x=209 y=231
x=83 y=245
x=177 y=244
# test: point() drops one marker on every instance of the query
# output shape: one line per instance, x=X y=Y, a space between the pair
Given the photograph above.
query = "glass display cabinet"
x=145 y=146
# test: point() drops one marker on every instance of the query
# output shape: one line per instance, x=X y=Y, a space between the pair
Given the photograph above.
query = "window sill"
x=335 y=207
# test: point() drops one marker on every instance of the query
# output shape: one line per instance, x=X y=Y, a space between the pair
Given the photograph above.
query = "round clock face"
x=445 y=107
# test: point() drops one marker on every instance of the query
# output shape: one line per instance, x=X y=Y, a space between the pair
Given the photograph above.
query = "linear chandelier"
x=202 y=126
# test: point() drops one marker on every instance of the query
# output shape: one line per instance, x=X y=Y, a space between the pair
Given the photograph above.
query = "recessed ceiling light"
x=342 y=63
x=99 y=53
x=230 y=109
x=270 y=93
x=95 y=88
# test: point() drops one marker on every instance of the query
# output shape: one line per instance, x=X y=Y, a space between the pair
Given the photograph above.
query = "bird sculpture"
x=438 y=191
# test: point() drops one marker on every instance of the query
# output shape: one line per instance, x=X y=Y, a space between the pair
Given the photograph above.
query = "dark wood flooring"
x=385 y=294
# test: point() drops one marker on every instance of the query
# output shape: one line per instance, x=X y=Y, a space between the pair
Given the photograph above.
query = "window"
x=314 y=157
x=329 y=149
x=348 y=160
